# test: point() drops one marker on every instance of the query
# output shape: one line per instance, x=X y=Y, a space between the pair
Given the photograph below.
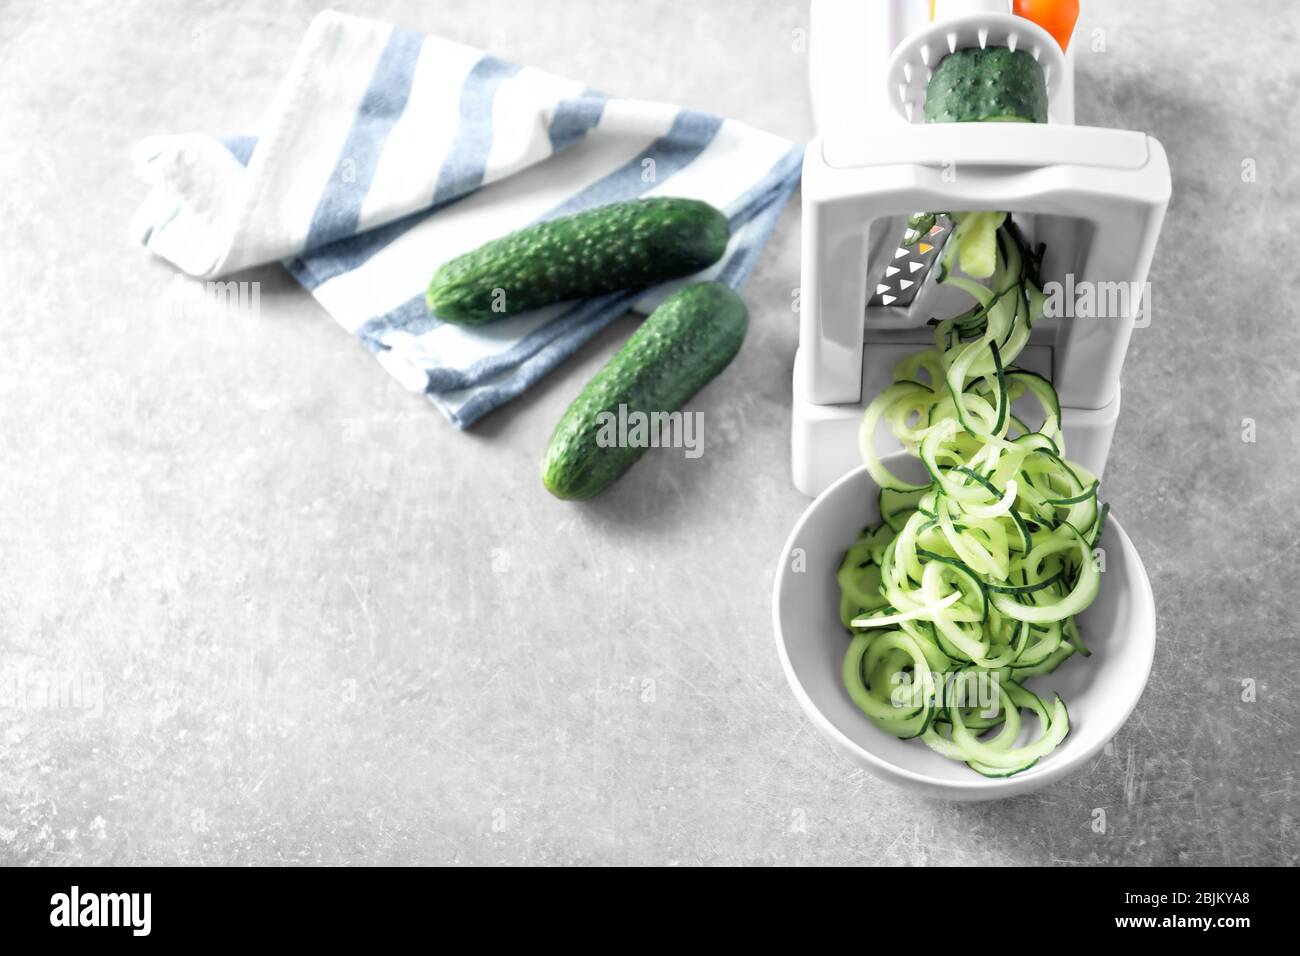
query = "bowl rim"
x=978 y=787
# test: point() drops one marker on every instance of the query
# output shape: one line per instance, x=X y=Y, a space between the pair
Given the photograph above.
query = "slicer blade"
x=907 y=271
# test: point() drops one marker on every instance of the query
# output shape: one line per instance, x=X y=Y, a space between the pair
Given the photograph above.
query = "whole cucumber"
x=623 y=245
x=677 y=350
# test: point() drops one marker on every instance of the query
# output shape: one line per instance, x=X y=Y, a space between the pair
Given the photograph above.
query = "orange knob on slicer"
x=1057 y=17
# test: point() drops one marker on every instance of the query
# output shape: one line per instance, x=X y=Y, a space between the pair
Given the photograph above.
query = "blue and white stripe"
x=386 y=152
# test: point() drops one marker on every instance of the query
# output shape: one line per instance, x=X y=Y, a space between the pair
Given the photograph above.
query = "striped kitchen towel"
x=386 y=152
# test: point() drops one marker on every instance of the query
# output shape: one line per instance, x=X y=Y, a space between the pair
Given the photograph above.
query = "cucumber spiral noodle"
x=970 y=584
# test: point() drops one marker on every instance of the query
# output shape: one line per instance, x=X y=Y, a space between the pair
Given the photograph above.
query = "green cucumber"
x=972 y=86
x=975 y=236
x=676 y=351
x=988 y=85
x=626 y=245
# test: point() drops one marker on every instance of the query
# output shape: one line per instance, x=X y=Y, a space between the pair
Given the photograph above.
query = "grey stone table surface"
x=312 y=623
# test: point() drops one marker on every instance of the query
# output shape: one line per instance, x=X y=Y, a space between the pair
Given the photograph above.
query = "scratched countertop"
x=295 y=617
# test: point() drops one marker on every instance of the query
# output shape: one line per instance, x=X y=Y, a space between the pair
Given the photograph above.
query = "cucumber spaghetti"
x=977 y=574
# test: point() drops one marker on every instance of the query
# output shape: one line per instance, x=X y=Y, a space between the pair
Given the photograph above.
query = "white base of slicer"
x=824 y=438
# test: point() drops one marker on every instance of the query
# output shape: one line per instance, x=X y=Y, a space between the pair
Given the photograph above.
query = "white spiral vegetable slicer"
x=1094 y=197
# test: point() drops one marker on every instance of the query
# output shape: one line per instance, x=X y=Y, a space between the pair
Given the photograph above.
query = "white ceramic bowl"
x=1100 y=691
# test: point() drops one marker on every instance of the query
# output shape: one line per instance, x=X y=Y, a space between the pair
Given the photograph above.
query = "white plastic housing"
x=1097 y=196
x=850 y=48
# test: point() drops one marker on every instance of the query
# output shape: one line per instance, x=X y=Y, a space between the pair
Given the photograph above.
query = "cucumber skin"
x=973 y=85
x=623 y=245
x=677 y=350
